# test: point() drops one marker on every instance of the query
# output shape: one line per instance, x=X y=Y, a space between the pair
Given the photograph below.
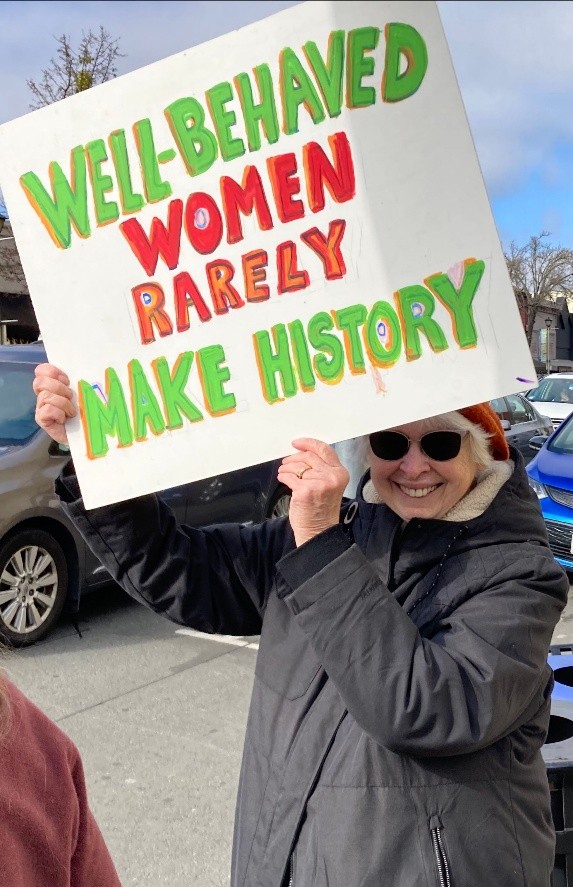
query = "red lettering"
x=223 y=293
x=319 y=171
x=185 y=293
x=290 y=278
x=162 y=241
x=285 y=185
x=254 y=272
x=246 y=197
x=149 y=301
x=328 y=249
x=203 y=223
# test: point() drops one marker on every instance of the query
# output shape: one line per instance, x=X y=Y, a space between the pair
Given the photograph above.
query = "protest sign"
x=281 y=232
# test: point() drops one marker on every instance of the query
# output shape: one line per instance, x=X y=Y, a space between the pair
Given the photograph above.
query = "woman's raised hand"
x=53 y=401
x=317 y=479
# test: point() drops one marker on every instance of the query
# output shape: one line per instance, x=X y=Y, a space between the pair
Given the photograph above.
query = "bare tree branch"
x=539 y=273
x=69 y=72
x=75 y=70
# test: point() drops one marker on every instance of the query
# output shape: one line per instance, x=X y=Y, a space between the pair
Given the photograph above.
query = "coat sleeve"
x=462 y=689
x=214 y=579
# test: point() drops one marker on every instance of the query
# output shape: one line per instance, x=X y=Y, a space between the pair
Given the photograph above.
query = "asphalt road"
x=158 y=714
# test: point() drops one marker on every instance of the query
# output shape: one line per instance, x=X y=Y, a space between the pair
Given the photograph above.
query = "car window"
x=17 y=404
x=553 y=391
x=500 y=407
x=520 y=410
x=563 y=440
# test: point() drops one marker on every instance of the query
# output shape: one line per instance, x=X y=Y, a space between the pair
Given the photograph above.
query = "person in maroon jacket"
x=49 y=835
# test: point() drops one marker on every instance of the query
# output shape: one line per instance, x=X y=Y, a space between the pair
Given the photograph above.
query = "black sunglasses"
x=437 y=445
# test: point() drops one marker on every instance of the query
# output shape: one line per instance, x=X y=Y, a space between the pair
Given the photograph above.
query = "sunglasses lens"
x=437 y=445
x=389 y=445
x=441 y=445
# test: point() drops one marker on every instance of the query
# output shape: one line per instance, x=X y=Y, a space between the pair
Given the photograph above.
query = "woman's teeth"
x=419 y=492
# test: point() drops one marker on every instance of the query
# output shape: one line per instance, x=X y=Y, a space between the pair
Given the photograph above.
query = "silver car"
x=521 y=421
x=45 y=566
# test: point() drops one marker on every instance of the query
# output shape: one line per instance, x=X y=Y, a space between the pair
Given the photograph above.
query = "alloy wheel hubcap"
x=28 y=589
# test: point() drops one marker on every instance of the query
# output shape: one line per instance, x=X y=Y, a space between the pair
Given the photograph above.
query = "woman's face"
x=417 y=486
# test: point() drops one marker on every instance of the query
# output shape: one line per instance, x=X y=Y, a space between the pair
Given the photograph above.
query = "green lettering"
x=403 y=40
x=67 y=205
x=155 y=188
x=265 y=113
x=197 y=144
x=213 y=373
x=101 y=183
x=459 y=302
x=146 y=411
x=416 y=305
x=348 y=320
x=217 y=98
x=101 y=418
x=329 y=75
x=297 y=89
x=274 y=363
x=360 y=41
x=383 y=337
x=171 y=385
x=131 y=201
x=301 y=356
x=328 y=368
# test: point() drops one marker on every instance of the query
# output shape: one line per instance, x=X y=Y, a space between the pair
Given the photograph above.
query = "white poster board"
x=281 y=232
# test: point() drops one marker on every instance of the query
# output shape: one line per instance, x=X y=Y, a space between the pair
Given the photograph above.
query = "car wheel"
x=280 y=503
x=33 y=586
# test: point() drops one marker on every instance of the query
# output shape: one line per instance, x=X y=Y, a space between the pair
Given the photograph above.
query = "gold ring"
x=300 y=473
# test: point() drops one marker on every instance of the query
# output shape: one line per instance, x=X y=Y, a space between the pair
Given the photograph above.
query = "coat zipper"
x=440 y=852
x=291 y=866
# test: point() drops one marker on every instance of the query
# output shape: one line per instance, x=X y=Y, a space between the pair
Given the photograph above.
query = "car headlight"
x=538 y=488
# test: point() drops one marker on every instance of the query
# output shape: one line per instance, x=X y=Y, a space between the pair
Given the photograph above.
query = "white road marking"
x=219 y=638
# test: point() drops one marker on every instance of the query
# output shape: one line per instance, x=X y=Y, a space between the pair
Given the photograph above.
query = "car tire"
x=279 y=503
x=33 y=586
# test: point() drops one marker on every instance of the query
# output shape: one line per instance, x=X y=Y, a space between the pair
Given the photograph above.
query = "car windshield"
x=552 y=391
x=17 y=404
x=563 y=440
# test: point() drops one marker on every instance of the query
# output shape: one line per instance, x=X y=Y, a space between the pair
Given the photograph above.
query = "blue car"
x=551 y=476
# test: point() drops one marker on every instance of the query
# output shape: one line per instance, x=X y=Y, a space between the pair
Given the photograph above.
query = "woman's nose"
x=415 y=461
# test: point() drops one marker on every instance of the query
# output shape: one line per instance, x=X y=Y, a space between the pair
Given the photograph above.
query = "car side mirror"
x=505 y=424
x=535 y=443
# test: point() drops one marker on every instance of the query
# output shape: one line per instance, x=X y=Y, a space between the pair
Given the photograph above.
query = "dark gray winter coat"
x=401 y=695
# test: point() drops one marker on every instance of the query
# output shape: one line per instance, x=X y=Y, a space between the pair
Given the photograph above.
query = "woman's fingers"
x=317 y=480
x=54 y=405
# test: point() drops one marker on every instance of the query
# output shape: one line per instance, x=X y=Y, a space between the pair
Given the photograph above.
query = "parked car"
x=521 y=421
x=553 y=396
x=44 y=564
x=551 y=476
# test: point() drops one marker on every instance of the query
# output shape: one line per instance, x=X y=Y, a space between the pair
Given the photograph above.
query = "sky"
x=513 y=62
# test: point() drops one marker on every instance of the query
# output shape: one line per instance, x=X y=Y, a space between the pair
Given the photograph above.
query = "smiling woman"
x=427 y=467
x=404 y=642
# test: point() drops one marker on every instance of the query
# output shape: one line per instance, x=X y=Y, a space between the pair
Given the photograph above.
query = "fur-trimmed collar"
x=474 y=503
